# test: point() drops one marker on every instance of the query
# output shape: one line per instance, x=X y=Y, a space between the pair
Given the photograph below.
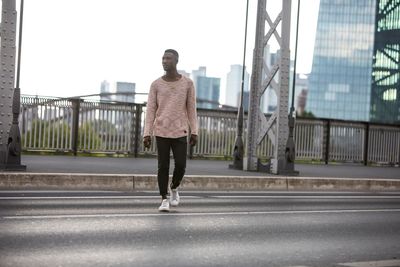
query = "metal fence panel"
x=309 y=139
x=347 y=141
x=106 y=127
x=46 y=124
x=384 y=144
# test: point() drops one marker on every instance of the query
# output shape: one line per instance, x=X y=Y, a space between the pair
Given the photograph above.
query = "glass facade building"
x=356 y=64
x=340 y=81
x=207 y=92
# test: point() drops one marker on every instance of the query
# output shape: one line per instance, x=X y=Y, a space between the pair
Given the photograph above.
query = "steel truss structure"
x=277 y=126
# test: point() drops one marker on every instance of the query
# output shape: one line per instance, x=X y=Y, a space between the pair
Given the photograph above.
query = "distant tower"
x=128 y=92
x=207 y=89
x=234 y=85
x=207 y=92
x=105 y=89
x=200 y=72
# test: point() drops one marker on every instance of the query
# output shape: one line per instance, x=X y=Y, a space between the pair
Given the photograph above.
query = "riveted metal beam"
x=276 y=127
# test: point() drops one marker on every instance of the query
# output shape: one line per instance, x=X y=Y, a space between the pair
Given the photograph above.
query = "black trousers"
x=179 y=148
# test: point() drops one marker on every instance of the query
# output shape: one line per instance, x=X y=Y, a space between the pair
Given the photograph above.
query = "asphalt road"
x=72 y=228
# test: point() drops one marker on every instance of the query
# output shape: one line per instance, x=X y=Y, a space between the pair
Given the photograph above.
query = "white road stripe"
x=255 y=192
x=56 y=191
x=325 y=197
x=87 y=197
x=72 y=216
x=385 y=263
x=196 y=197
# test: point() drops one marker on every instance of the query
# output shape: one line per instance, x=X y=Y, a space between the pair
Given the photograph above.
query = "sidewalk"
x=68 y=172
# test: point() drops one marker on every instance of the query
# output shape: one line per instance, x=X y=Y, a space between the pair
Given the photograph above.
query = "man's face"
x=169 y=61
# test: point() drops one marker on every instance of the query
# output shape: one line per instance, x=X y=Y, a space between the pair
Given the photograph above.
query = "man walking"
x=171 y=114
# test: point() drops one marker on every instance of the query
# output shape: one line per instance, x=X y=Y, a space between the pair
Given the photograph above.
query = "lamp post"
x=290 y=152
x=238 y=150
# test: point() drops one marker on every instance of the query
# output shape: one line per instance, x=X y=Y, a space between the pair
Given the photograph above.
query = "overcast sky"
x=71 y=46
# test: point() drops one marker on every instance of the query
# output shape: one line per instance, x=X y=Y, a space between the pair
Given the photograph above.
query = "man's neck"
x=172 y=76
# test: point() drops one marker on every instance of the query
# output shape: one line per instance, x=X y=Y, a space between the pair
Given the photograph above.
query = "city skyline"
x=75 y=55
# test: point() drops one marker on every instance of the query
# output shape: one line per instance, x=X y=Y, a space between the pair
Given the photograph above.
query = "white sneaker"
x=174 y=197
x=164 y=205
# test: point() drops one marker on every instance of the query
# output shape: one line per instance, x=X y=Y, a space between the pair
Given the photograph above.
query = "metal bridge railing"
x=76 y=125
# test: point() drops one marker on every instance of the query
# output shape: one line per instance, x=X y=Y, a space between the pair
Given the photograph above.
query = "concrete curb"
x=126 y=182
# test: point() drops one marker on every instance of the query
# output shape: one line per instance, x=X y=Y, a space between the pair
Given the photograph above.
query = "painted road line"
x=323 y=197
x=384 y=263
x=211 y=192
x=128 y=215
x=89 y=197
x=197 y=197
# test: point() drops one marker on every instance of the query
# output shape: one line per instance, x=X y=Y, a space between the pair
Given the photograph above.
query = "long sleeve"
x=150 y=111
x=191 y=109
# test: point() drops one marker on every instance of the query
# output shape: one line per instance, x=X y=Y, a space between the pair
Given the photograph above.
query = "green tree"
x=57 y=135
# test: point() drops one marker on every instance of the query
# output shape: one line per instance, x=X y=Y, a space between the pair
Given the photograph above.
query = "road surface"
x=101 y=228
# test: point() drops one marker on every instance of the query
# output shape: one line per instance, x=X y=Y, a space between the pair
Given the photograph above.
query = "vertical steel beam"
x=277 y=126
x=278 y=163
x=250 y=159
x=9 y=109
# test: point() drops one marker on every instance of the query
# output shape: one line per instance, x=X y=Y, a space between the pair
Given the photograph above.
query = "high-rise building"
x=202 y=71
x=355 y=71
x=385 y=91
x=246 y=99
x=105 y=91
x=207 y=92
x=125 y=92
x=207 y=89
x=234 y=85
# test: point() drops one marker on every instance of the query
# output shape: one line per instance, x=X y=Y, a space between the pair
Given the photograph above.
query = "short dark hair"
x=173 y=51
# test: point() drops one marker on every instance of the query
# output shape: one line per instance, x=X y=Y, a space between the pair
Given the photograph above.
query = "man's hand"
x=147 y=142
x=193 y=140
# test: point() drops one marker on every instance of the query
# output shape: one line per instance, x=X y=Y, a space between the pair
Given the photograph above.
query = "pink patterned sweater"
x=171 y=109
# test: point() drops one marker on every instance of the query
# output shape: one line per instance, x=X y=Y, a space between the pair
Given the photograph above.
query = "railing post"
x=398 y=162
x=366 y=143
x=328 y=140
x=138 y=120
x=76 y=103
